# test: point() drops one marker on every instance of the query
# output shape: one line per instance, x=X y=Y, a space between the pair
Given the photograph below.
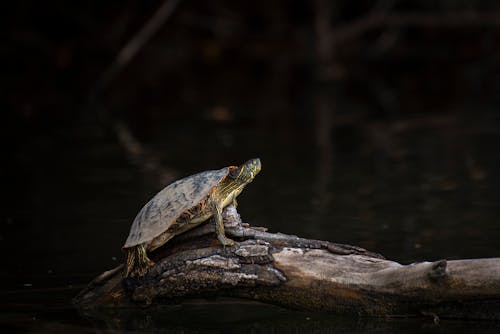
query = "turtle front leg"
x=219 y=226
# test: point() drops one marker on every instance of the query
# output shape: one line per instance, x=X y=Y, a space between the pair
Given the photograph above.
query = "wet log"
x=302 y=274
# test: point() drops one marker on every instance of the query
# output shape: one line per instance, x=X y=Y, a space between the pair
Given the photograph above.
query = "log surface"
x=303 y=274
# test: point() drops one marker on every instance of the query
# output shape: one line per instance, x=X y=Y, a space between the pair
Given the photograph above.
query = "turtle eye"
x=233 y=172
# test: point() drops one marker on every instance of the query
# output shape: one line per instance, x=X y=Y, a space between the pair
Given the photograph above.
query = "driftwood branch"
x=303 y=274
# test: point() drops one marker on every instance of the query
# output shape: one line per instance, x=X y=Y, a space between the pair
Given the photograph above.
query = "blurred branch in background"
x=146 y=158
x=333 y=33
x=378 y=19
x=216 y=37
x=330 y=37
x=260 y=57
x=135 y=44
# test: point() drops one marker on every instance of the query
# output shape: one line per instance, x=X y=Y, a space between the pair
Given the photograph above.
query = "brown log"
x=303 y=274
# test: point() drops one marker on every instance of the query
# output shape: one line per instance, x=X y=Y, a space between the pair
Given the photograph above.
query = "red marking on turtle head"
x=212 y=190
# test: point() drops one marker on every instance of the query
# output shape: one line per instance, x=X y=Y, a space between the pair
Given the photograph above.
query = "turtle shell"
x=165 y=207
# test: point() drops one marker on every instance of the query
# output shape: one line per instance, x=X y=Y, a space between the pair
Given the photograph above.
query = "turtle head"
x=247 y=171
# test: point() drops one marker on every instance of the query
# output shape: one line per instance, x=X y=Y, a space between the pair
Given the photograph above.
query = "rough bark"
x=303 y=274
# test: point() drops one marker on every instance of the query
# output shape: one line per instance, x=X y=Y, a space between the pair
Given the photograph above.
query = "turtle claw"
x=227 y=242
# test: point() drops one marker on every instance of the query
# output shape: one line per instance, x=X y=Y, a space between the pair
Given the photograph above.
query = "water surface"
x=411 y=192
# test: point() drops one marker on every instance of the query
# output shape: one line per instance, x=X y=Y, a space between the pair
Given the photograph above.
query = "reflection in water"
x=224 y=316
x=227 y=316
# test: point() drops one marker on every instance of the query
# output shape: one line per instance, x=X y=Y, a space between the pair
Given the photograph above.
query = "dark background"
x=376 y=122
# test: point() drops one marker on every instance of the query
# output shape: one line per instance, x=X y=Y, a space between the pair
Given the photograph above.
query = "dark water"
x=413 y=190
x=223 y=316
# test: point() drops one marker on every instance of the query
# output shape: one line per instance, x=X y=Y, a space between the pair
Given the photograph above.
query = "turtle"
x=181 y=206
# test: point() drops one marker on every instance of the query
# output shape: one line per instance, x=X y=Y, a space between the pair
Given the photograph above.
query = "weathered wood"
x=303 y=274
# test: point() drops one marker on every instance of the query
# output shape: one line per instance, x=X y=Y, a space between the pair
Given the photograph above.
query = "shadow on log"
x=302 y=274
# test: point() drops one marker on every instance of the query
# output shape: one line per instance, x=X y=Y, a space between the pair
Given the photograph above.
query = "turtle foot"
x=226 y=241
x=141 y=269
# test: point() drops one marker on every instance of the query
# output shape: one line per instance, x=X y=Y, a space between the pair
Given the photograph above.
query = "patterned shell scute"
x=161 y=211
